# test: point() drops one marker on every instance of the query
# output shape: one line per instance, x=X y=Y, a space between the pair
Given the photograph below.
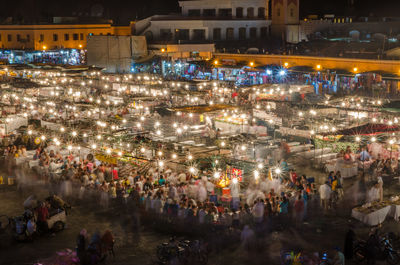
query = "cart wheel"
x=58 y=226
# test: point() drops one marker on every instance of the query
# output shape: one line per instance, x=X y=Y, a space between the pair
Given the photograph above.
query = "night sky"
x=123 y=11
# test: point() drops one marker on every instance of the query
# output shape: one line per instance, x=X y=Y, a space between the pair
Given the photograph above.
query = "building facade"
x=54 y=36
x=285 y=20
x=209 y=21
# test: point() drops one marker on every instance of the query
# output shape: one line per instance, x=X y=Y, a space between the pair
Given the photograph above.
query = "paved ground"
x=320 y=232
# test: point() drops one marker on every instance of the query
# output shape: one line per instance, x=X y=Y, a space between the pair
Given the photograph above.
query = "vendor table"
x=373 y=218
x=34 y=163
x=325 y=157
x=346 y=170
x=300 y=148
x=395 y=212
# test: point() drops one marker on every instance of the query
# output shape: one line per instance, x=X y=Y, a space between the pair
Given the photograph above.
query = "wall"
x=47 y=31
x=325 y=62
x=212 y=4
x=115 y=53
x=285 y=20
x=208 y=26
x=181 y=51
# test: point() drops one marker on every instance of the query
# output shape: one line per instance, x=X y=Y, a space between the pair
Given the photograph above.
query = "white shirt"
x=209 y=186
x=258 y=210
x=202 y=193
x=380 y=182
x=373 y=194
x=130 y=179
x=325 y=192
x=182 y=177
x=235 y=190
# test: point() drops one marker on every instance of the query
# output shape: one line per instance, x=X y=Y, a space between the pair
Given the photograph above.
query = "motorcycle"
x=166 y=252
x=384 y=251
x=185 y=252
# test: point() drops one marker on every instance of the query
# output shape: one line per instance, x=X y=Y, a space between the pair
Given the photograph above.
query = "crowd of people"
x=182 y=197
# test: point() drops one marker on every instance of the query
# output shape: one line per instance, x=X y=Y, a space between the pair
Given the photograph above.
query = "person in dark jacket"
x=348 y=244
x=81 y=246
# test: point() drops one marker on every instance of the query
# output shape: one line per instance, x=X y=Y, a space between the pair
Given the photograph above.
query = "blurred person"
x=325 y=193
x=247 y=237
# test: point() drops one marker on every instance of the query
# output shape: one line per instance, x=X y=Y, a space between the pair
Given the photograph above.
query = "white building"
x=209 y=21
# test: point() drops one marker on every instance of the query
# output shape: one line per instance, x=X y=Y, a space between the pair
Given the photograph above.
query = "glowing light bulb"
x=256 y=174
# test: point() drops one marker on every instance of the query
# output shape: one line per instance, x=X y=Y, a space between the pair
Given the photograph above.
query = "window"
x=66 y=37
x=261 y=12
x=229 y=34
x=0 y=37
x=264 y=32
x=148 y=34
x=253 y=33
x=239 y=12
x=18 y=37
x=9 y=37
x=75 y=36
x=194 y=12
x=217 y=34
x=250 y=12
x=242 y=33
x=81 y=36
x=165 y=34
x=181 y=34
x=199 y=34
x=291 y=12
x=209 y=12
x=55 y=37
x=278 y=12
x=41 y=38
x=225 y=12
x=28 y=37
